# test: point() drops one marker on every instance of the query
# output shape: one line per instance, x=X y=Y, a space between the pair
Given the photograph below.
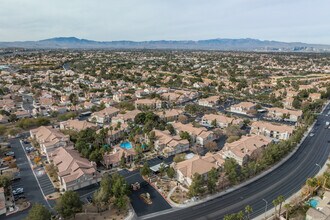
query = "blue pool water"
x=313 y=203
x=126 y=145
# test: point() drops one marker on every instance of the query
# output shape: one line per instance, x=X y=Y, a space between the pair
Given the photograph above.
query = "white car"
x=311 y=134
x=18 y=191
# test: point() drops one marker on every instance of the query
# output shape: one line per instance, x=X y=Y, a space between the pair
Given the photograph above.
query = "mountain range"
x=246 y=44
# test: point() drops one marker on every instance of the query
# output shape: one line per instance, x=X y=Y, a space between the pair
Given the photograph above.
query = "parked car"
x=10 y=153
x=17 y=197
x=29 y=149
x=18 y=191
x=89 y=199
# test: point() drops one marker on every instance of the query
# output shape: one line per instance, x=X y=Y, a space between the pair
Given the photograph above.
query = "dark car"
x=89 y=199
x=17 y=197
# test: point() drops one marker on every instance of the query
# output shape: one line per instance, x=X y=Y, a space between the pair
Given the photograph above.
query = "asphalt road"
x=285 y=180
x=27 y=102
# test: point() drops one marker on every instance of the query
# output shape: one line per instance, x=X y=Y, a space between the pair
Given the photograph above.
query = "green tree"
x=5 y=181
x=196 y=187
x=162 y=169
x=280 y=200
x=73 y=99
x=296 y=103
x=38 y=212
x=287 y=210
x=185 y=135
x=214 y=123
x=171 y=129
x=145 y=170
x=212 y=179
x=170 y=172
x=101 y=197
x=68 y=204
x=248 y=211
x=233 y=170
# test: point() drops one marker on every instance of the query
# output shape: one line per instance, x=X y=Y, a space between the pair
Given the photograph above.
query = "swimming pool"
x=313 y=203
x=126 y=145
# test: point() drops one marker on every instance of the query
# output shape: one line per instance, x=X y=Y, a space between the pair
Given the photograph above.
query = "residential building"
x=221 y=121
x=201 y=165
x=112 y=159
x=211 y=101
x=104 y=116
x=74 y=172
x=126 y=117
x=169 y=115
x=272 y=130
x=148 y=103
x=49 y=139
x=243 y=108
x=314 y=96
x=285 y=114
x=169 y=144
x=76 y=125
x=245 y=148
x=199 y=135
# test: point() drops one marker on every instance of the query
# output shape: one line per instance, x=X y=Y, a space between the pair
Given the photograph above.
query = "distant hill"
x=246 y=44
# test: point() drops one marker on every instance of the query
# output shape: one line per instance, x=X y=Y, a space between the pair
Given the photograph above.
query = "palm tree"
x=287 y=210
x=248 y=210
x=240 y=215
x=326 y=176
x=280 y=200
x=311 y=183
x=275 y=203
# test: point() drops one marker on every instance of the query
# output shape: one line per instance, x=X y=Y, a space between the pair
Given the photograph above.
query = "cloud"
x=293 y=20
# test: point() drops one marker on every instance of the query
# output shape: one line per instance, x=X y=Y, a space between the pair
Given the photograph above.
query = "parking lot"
x=28 y=181
x=158 y=202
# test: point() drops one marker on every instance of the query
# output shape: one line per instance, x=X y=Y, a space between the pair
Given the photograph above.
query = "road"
x=286 y=180
x=27 y=102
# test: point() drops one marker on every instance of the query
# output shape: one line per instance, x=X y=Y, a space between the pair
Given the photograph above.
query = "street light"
x=266 y=206
x=318 y=166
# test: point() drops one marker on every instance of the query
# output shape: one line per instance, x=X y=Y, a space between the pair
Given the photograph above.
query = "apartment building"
x=245 y=148
x=76 y=125
x=221 y=121
x=272 y=130
x=285 y=114
x=199 y=135
x=211 y=101
x=169 y=144
x=49 y=139
x=104 y=116
x=148 y=103
x=202 y=165
x=112 y=159
x=244 y=108
x=74 y=172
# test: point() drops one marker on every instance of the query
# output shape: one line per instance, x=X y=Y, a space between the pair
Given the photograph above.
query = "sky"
x=139 y=20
